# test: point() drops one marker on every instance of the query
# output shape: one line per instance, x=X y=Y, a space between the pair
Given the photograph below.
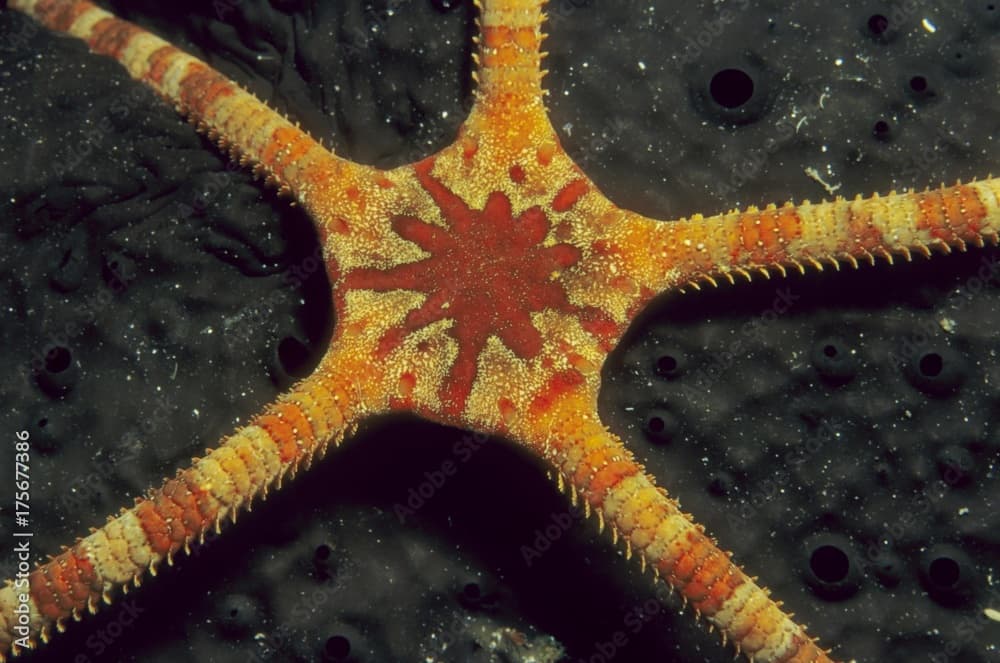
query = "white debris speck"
x=814 y=174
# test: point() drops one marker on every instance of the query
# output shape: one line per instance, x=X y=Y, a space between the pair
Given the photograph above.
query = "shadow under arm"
x=593 y=466
x=285 y=437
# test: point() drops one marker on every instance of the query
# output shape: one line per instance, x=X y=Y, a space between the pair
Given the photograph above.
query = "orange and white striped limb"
x=509 y=55
x=252 y=133
x=773 y=240
x=284 y=438
x=594 y=467
x=508 y=113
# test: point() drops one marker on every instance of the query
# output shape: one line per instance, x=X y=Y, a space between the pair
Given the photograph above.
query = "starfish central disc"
x=488 y=270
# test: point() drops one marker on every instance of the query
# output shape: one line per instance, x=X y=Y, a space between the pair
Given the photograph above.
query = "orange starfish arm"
x=509 y=56
x=252 y=133
x=285 y=437
x=594 y=466
x=508 y=122
x=698 y=250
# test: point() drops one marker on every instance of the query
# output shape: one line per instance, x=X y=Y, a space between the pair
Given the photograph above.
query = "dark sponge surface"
x=836 y=431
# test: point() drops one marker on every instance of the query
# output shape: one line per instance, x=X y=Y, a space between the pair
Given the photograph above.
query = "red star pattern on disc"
x=487 y=272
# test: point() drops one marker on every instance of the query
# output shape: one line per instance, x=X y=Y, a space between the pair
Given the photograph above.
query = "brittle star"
x=556 y=271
